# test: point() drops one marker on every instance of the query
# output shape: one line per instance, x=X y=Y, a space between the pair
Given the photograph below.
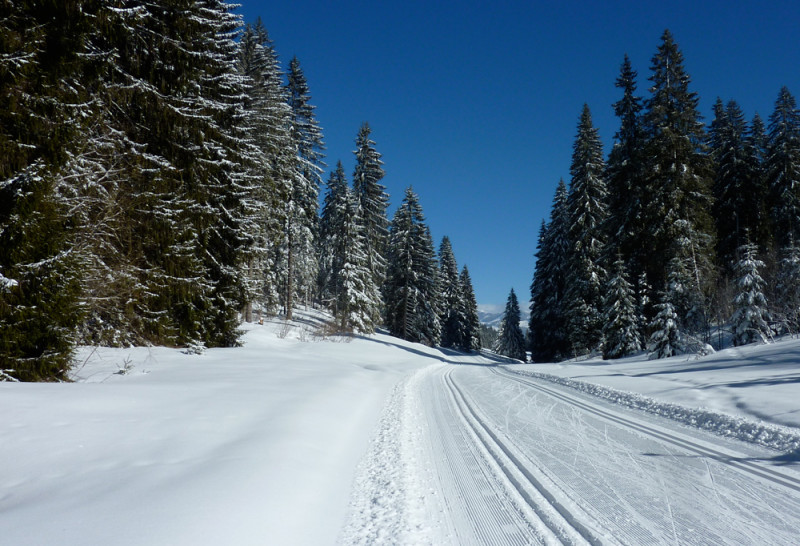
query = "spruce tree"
x=787 y=296
x=373 y=201
x=665 y=340
x=737 y=188
x=453 y=312
x=783 y=168
x=410 y=292
x=331 y=235
x=511 y=342
x=358 y=306
x=621 y=322
x=301 y=208
x=587 y=208
x=625 y=178
x=44 y=67
x=749 y=321
x=678 y=196
x=472 y=325
x=548 y=318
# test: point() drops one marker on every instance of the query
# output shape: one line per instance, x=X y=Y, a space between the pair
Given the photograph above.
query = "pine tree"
x=269 y=122
x=783 y=168
x=511 y=342
x=749 y=321
x=621 y=322
x=665 y=341
x=301 y=208
x=472 y=325
x=547 y=325
x=45 y=71
x=786 y=291
x=626 y=194
x=453 y=312
x=678 y=187
x=358 y=307
x=587 y=208
x=373 y=201
x=737 y=183
x=331 y=239
x=410 y=292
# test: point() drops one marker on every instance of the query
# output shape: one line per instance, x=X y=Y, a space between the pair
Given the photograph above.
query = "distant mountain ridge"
x=492 y=315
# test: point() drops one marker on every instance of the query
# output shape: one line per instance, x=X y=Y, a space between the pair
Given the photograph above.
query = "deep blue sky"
x=477 y=106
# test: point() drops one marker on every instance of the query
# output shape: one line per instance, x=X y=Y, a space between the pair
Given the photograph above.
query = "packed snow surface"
x=296 y=438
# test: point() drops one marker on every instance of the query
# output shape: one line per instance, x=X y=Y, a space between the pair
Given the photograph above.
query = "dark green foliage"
x=411 y=289
x=41 y=81
x=587 y=208
x=621 y=322
x=783 y=169
x=547 y=326
x=453 y=311
x=472 y=326
x=511 y=342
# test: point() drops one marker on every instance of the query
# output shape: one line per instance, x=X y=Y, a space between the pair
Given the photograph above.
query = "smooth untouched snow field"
x=299 y=439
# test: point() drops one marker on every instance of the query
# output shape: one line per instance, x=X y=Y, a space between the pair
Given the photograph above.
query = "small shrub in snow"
x=195 y=348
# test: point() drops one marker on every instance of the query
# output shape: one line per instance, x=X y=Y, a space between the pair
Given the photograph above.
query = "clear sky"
x=476 y=104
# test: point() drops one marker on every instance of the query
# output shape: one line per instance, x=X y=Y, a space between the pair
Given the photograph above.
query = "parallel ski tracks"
x=741 y=464
x=565 y=526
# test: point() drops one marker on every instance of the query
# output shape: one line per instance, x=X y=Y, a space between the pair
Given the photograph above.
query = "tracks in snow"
x=743 y=464
x=560 y=523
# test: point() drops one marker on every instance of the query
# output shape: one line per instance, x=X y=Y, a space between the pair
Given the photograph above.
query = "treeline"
x=679 y=231
x=159 y=181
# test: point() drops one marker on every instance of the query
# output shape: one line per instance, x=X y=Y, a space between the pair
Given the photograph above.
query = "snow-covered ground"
x=298 y=439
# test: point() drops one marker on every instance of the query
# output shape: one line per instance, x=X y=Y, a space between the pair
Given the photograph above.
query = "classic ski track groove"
x=561 y=522
x=746 y=466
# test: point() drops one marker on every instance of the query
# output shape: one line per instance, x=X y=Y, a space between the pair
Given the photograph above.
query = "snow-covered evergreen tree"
x=547 y=325
x=472 y=325
x=678 y=197
x=511 y=341
x=749 y=321
x=740 y=196
x=411 y=287
x=587 y=208
x=43 y=115
x=374 y=201
x=358 y=307
x=453 y=312
x=625 y=179
x=665 y=340
x=621 y=321
x=783 y=168
x=787 y=293
x=301 y=207
x=331 y=235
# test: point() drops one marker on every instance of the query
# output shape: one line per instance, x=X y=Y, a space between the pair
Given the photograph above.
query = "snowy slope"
x=296 y=439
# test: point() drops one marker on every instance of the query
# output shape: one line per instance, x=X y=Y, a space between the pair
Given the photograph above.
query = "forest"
x=684 y=235
x=161 y=180
x=160 y=175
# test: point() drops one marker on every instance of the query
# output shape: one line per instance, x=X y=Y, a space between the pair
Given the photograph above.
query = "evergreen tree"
x=511 y=342
x=587 y=208
x=373 y=201
x=301 y=207
x=749 y=320
x=44 y=70
x=332 y=240
x=678 y=186
x=453 y=312
x=625 y=178
x=786 y=292
x=411 y=283
x=547 y=324
x=472 y=325
x=737 y=182
x=665 y=341
x=621 y=328
x=269 y=122
x=358 y=306
x=783 y=168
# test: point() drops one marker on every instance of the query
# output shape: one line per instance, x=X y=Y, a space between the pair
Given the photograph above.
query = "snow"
x=296 y=438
